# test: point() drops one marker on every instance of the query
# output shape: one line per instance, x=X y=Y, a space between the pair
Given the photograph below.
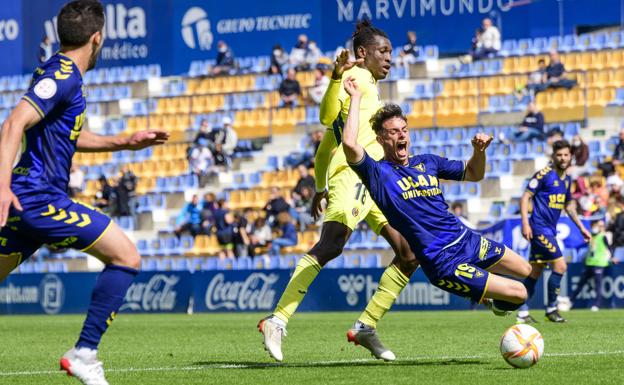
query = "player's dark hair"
x=560 y=145
x=78 y=20
x=364 y=35
x=386 y=112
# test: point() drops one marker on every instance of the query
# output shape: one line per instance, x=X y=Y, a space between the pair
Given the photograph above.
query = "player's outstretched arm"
x=331 y=105
x=475 y=167
x=527 y=233
x=90 y=142
x=571 y=210
x=354 y=152
x=22 y=118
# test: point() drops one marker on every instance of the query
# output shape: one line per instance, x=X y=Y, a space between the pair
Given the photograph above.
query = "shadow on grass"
x=331 y=364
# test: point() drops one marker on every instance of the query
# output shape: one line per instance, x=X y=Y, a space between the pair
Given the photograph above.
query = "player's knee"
x=129 y=257
x=326 y=252
x=518 y=293
x=407 y=265
x=525 y=269
x=560 y=266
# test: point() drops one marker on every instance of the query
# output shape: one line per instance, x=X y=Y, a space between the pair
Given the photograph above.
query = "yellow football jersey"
x=369 y=104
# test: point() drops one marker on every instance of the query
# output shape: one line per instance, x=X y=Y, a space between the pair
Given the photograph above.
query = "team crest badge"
x=556 y=183
x=355 y=212
x=420 y=167
x=478 y=274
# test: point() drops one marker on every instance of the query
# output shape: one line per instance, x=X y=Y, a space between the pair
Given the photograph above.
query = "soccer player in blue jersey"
x=549 y=189
x=407 y=190
x=35 y=208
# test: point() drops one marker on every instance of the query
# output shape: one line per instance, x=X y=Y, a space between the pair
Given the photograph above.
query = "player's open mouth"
x=402 y=149
x=386 y=68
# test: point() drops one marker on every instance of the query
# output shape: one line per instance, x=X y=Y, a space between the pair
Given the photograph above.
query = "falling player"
x=407 y=190
x=348 y=201
x=35 y=208
x=549 y=189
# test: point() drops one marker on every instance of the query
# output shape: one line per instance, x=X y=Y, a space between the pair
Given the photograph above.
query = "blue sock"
x=554 y=284
x=108 y=294
x=529 y=284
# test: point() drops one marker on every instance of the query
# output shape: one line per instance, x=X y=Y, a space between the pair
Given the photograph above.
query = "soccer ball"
x=522 y=346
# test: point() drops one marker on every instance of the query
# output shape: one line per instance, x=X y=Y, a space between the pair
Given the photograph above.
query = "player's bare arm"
x=527 y=233
x=22 y=118
x=571 y=210
x=354 y=152
x=90 y=142
x=475 y=167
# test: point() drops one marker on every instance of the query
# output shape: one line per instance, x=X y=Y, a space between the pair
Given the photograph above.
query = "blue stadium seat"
x=615 y=40
x=539 y=46
x=196 y=263
x=287 y=261
x=210 y=263
x=372 y=261
x=599 y=41
x=336 y=263
x=619 y=98
x=508 y=48
x=567 y=43
x=523 y=47
x=243 y=263
x=164 y=264
x=353 y=261
x=181 y=264
x=226 y=264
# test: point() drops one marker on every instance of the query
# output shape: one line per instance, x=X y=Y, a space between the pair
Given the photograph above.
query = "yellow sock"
x=306 y=271
x=390 y=285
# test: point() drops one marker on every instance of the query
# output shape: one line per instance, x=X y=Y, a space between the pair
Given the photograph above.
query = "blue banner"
x=174 y=33
x=71 y=293
x=509 y=232
x=259 y=291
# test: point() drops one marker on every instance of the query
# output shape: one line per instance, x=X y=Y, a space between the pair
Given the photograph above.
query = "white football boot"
x=83 y=364
x=367 y=337
x=274 y=331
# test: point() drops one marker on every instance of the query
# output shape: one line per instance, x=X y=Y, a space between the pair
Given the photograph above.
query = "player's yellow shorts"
x=349 y=202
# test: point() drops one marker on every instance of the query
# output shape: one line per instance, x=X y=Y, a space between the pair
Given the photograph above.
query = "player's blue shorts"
x=58 y=223
x=544 y=248
x=461 y=268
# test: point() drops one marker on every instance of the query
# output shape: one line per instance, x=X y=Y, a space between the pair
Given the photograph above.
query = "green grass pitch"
x=431 y=348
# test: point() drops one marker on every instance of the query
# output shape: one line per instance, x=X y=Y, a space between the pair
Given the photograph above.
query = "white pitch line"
x=300 y=364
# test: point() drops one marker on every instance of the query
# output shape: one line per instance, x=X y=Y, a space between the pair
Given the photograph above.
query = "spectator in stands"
x=222 y=160
x=76 y=181
x=276 y=205
x=306 y=154
x=618 y=152
x=580 y=155
x=532 y=126
x=261 y=236
x=302 y=207
x=616 y=227
x=126 y=192
x=203 y=133
x=105 y=197
x=189 y=218
x=457 y=208
x=305 y=179
x=489 y=42
x=45 y=49
x=208 y=208
x=474 y=46
x=279 y=60
x=225 y=236
x=312 y=56
x=289 y=89
x=200 y=161
x=316 y=92
x=225 y=59
x=537 y=78
x=555 y=75
x=241 y=237
x=596 y=199
x=219 y=213
x=285 y=234
x=409 y=52
x=298 y=53
x=230 y=138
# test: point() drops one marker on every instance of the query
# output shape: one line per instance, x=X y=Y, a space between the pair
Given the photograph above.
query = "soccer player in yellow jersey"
x=348 y=202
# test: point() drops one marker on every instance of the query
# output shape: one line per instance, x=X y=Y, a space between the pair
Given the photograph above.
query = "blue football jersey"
x=56 y=92
x=411 y=199
x=550 y=194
